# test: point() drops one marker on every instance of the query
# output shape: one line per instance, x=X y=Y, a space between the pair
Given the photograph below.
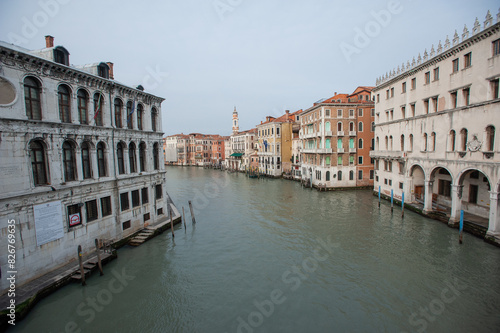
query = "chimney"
x=49 y=41
x=111 y=76
x=335 y=94
x=287 y=112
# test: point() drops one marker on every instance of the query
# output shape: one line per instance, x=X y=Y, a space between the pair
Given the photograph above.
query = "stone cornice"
x=33 y=64
x=440 y=57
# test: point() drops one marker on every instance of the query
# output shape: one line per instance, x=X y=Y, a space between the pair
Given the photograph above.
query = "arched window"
x=328 y=144
x=351 y=175
x=386 y=142
x=98 y=109
x=351 y=126
x=328 y=176
x=119 y=157
x=63 y=95
x=360 y=144
x=132 y=158
x=339 y=126
x=463 y=139
x=86 y=163
x=118 y=113
x=424 y=142
x=142 y=156
x=154 y=115
x=130 y=112
x=410 y=148
x=69 y=161
x=327 y=127
x=140 y=113
x=32 y=100
x=402 y=143
x=452 y=137
x=156 y=157
x=360 y=126
x=433 y=141
x=490 y=138
x=391 y=142
x=83 y=111
x=378 y=143
x=38 y=163
x=373 y=126
x=101 y=160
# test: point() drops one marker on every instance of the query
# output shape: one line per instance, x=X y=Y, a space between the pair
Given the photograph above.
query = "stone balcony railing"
x=387 y=154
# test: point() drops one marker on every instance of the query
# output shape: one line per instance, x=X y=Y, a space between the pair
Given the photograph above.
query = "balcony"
x=308 y=151
x=352 y=150
x=387 y=154
x=328 y=133
x=325 y=151
x=340 y=133
x=340 y=150
x=352 y=133
x=309 y=135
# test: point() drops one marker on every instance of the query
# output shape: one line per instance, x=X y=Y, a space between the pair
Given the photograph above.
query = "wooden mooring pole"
x=461 y=230
x=392 y=201
x=192 y=214
x=183 y=218
x=379 y=196
x=403 y=205
x=98 y=251
x=171 y=220
x=80 y=260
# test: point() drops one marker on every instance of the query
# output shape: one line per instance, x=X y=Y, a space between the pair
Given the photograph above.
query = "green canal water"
x=269 y=256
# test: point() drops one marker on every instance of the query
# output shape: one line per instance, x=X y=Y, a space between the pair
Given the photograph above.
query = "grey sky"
x=264 y=57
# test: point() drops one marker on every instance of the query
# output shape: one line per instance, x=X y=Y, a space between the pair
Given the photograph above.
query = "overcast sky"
x=264 y=57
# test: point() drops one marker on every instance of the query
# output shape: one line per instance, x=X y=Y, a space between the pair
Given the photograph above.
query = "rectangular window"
x=125 y=225
x=146 y=217
x=158 y=191
x=494 y=88
x=351 y=113
x=403 y=112
x=390 y=182
x=378 y=98
x=392 y=92
x=124 y=204
x=403 y=87
x=468 y=60
x=373 y=113
x=496 y=47
x=91 y=208
x=327 y=113
x=360 y=174
x=145 y=195
x=360 y=112
x=436 y=74
x=136 y=201
x=400 y=186
x=351 y=160
x=454 y=100
x=371 y=174
x=387 y=94
x=426 y=106
x=360 y=160
x=339 y=113
x=414 y=83
x=466 y=92
x=473 y=190
x=339 y=160
x=159 y=211
x=385 y=181
x=106 y=206
x=455 y=66
x=412 y=110
x=444 y=188
x=327 y=160
x=434 y=104
x=427 y=77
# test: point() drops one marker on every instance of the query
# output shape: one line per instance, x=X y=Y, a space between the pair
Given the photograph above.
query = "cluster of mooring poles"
x=461 y=228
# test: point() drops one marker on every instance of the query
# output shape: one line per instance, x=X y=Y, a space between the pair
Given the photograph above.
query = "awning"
x=236 y=154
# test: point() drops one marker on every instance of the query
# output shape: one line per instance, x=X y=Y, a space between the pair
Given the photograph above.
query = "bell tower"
x=236 y=126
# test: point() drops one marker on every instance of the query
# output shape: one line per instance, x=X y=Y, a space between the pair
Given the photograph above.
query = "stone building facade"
x=436 y=121
x=81 y=157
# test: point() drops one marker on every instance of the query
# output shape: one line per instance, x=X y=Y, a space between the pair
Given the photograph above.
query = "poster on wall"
x=48 y=222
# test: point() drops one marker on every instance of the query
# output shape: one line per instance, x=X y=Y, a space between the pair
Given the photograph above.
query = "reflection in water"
x=255 y=261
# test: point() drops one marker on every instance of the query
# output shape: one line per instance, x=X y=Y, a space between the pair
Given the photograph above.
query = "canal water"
x=269 y=256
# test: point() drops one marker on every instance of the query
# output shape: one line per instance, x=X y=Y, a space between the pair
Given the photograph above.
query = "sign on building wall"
x=48 y=222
